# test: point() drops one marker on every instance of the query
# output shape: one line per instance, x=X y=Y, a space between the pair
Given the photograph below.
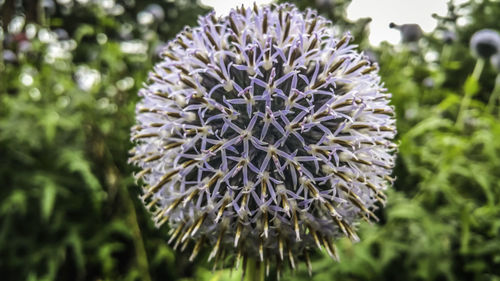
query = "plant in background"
x=264 y=134
x=495 y=94
x=483 y=45
x=449 y=36
x=65 y=176
x=66 y=106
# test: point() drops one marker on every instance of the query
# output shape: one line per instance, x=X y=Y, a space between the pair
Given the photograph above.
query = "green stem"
x=41 y=14
x=478 y=69
x=494 y=95
x=140 y=249
x=2 y=66
x=254 y=270
x=445 y=54
x=476 y=74
x=131 y=218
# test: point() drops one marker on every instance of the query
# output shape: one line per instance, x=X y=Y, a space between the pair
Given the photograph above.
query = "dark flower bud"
x=485 y=43
x=409 y=32
x=449 y=36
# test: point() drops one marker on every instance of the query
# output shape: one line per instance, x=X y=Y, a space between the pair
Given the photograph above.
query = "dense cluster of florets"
x=263 y=134
x=485 y=43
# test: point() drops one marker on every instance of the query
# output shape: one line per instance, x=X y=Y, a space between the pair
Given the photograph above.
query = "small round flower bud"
x=485 y=43
x=495 y=62
x=9 y=56
x=409 y=32
x=282 y=141
x=49 y=6
x=428 y=82
x=449 y=37
x=62 y=34
x=156 y=10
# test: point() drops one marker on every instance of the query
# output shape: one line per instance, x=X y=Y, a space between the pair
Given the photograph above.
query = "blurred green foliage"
x=69 y=76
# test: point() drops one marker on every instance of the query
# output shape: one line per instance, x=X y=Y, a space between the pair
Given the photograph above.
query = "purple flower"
x=485 y=43
x=156 y=10
x=263 y=134
x=449 y=37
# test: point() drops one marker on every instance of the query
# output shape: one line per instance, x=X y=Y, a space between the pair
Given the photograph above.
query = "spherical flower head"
x=156 y=10
x=485 y=43
x=449 y=37
x=263 y=134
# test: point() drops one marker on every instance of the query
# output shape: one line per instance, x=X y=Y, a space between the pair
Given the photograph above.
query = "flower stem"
x=2 y=66
x=476 y=74
x=140 y=249
x=478 y=69
x=445 y=54
x=254 y=270
x=42 y=20
x=495 y=95
x=131 y=217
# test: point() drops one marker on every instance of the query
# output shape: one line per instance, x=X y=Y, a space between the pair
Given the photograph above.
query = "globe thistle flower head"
x=449 y=37
x=263 y=134
x=409 y=32
x=156 y=10
x=485 y=43
x=152 y=13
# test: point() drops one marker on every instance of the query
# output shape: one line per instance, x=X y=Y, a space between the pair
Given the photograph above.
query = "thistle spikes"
x=263 y=134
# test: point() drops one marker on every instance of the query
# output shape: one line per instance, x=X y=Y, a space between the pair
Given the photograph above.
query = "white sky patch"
x=222 y=7
x=382 y=13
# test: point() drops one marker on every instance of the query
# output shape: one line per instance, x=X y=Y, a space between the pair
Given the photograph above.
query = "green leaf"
x=75 y=242
x=48 y=199
x=76 y=162
x=471 y=86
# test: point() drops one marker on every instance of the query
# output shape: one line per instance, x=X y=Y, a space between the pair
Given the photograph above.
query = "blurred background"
x=69 y=75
